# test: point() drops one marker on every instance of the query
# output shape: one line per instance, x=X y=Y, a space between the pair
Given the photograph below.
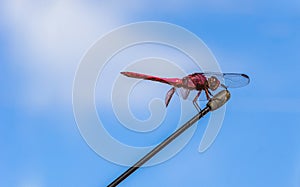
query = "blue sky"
x=41 y=46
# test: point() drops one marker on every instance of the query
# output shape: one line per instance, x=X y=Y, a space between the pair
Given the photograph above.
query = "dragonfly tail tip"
x=124 y=73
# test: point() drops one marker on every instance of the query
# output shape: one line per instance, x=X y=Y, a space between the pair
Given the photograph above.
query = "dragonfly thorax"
x=188 y=83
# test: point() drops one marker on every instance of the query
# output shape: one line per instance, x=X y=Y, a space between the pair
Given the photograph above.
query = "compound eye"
x=213 y=83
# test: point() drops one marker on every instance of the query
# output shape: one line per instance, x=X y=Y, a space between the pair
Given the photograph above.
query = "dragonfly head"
x=213 y=83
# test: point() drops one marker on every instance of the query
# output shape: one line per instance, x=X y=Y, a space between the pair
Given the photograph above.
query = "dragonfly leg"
x=207 y=93
x=224 y=86
x=169 y=95
x=197 y=106
x=195 y=102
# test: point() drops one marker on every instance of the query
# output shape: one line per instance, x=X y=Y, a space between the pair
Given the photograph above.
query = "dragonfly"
x=207 y=82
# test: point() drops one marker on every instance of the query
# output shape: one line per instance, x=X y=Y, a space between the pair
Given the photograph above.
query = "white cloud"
x=59 y=27
x=49 y=39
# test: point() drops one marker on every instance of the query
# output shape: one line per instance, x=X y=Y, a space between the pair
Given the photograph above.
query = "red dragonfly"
x=196 y=81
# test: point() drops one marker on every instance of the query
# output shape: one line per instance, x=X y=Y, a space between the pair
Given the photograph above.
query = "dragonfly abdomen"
x=171 y=81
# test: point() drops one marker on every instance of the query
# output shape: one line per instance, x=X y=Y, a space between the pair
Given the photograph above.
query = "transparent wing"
x=236 y=80
x=184 y=93
x=230 y=80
